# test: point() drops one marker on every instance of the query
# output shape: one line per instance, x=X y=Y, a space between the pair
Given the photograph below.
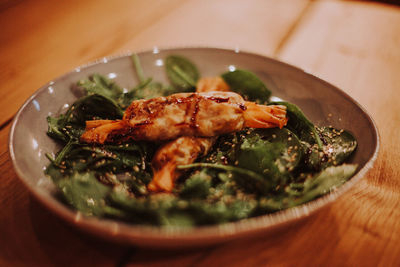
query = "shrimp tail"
x=163 y=179
x=212 y=84
x=97 y=131
x=262 y=116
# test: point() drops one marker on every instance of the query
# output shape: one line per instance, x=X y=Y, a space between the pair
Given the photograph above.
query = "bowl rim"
x=119 y=230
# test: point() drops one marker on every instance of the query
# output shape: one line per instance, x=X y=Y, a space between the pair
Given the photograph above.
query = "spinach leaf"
x=270 y=204
x=272 y=153
x=326 y=181
x=146 y=91
x=134 y=94
x=289 y=145
x=338 y=146
x=299 y=124
x=247 y=177
x=306 y=131
x=55 y=172
x=55 y=128
x=63 y=152
x=178 y=218
x=108 y=158
x=131 y=159
x=94 y=107
x=248 y=85
x=168 y=210
x=259 y=156
x=138 y=68
x=149 y=210
x=218 y=212
x=224 y=149
x=298 y=193
x=85 y=193
x=62 y=129
x=101 y=85
x=71 y=125
x=196 y=186
x=181 y=72
x=241 y=209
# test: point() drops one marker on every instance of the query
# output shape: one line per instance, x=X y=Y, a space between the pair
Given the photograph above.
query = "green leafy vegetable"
x=85 y=193
x=247 y=173
x=338 y=146
x=93 y=107
x=315 y=186
x=299 y=124
x=196 y=186
x=71 y=125
x=326 y=181
x=251 y=179
x=55 y=128
x=182 y=73
x=272 y=153
x=100 y=85
x=147 y=90
x=138 y=68
x=248 y=85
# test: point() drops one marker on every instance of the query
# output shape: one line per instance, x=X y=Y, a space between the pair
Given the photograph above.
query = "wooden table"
x=354 y=45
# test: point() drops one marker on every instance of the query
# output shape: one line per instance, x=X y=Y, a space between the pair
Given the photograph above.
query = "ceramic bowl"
x=318 y=99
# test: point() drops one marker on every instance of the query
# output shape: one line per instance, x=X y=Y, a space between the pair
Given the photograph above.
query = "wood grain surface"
x=53 y=38
x=357 y=49
x=354 y=45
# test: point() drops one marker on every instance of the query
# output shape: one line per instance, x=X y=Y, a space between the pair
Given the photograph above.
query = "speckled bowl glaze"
x=28 y=141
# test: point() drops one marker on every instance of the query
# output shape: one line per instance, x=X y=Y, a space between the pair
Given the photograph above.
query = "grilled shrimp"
x=185 y=114
x=185 y=117
x=185 y=149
